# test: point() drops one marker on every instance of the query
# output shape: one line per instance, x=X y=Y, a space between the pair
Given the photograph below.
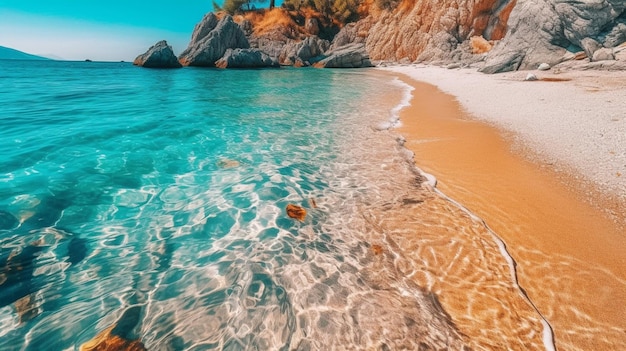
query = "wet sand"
x=570 y=251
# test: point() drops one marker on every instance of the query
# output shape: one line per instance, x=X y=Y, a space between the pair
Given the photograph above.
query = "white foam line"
x=431 y=181
x=394 y=117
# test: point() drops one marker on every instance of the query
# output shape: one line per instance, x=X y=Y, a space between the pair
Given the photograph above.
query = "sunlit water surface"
x=154 y=201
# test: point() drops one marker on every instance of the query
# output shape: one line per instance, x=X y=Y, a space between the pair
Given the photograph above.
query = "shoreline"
x=551 y=248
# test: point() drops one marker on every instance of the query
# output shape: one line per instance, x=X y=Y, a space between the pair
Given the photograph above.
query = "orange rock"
x=378 y=250
x=105 y=341
x=296 y=212
x=480 y=45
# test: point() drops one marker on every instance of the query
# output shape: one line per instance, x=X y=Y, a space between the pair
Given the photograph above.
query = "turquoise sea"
x=151 y=205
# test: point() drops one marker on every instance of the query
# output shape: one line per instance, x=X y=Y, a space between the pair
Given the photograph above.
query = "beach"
x=543 y=164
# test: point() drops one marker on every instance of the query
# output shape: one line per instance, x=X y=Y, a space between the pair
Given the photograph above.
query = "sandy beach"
x=544 y=164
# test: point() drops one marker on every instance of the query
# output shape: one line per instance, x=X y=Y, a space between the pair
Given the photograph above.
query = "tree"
x=232 y=6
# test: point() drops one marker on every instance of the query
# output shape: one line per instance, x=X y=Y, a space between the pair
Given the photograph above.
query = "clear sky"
x=106 y=30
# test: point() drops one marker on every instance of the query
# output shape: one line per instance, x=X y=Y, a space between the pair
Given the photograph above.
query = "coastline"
x=567 y=250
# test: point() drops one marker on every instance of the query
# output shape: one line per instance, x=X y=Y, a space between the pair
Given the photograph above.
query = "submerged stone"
x=377 y=249
x=106 y=341
x=296 y=212
x=226 y=163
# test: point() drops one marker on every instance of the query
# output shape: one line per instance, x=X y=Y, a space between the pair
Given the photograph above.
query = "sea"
x=149 y=206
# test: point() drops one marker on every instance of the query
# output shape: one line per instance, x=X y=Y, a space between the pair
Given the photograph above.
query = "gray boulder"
x=603 y=54
x=245 y=58
x=540 y=30
x=351 y=33
x=210 y=40
x=301 y=53
x=348 y=56
x=160 y=55
x=615 y=36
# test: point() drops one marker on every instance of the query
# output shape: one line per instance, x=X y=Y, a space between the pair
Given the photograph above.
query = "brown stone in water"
x=296 y=212
x=226 y=163
x=313 y=203
x=105 y=341
x=378 y=250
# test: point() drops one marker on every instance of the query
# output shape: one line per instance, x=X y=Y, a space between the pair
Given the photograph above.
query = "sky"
x=106 y=30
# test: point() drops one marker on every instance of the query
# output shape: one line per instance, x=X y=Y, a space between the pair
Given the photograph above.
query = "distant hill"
x=12 y=54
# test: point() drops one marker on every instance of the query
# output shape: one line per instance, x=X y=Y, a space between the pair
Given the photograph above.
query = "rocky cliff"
x=525 y=33
x=493 y=35
x=428 y=30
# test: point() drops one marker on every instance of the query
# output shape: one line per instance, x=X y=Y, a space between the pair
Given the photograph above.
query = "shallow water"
x=155 y=201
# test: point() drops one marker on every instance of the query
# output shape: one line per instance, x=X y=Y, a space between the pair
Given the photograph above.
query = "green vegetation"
x=233 y=6
x=342 y=10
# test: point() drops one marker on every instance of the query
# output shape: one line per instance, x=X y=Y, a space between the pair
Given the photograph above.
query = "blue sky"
x=107 y=30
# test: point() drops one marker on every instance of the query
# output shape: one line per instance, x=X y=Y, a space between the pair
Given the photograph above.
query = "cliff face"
x=542 y=30
x=526 y=32
x=426 y=30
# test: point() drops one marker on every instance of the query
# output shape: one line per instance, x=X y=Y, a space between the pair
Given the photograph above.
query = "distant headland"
x=12 y=54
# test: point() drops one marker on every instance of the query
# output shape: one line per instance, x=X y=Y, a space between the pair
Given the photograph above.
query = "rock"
x=245 y=58
x=540 y=30
x=620 y=55
x=480 y=45
x=531 y=77
x=377 y=249
x=312 y=26
x=296 y=212
x=590 y=46
x=211 y=39
x=603 y=54
x=349 y=56
x=160 y=55
x=430 y=31
x=581 y=55
x=227 y=163
x=543 y=67
x=303 y=51
x=616 y=36
x=107 y=341
x=352 y=33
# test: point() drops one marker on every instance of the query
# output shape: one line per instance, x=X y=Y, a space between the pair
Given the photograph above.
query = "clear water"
x=154 y=201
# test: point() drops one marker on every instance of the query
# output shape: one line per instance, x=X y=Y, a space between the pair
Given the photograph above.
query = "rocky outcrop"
x=210 y=40
x=348 y=56
x=353 y=33
x=245 y=58
x=427 y=30
x=301 y=53
x=542 y=30
x=160 y=55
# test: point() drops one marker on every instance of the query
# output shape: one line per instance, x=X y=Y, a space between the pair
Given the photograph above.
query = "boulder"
x=210 y=40
x=531 y=77
x=245 y=58
x=603 y=54
x=543 y=67
x=348 y=56
x=299 y=53
x=352 y=33
x=541 y=30
x=615 y=36
x=160 y=55
x=590 y=46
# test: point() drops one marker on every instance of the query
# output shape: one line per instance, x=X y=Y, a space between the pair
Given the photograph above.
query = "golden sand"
x=571 y=256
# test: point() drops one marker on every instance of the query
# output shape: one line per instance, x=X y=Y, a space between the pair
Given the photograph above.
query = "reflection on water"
x=170 y=230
